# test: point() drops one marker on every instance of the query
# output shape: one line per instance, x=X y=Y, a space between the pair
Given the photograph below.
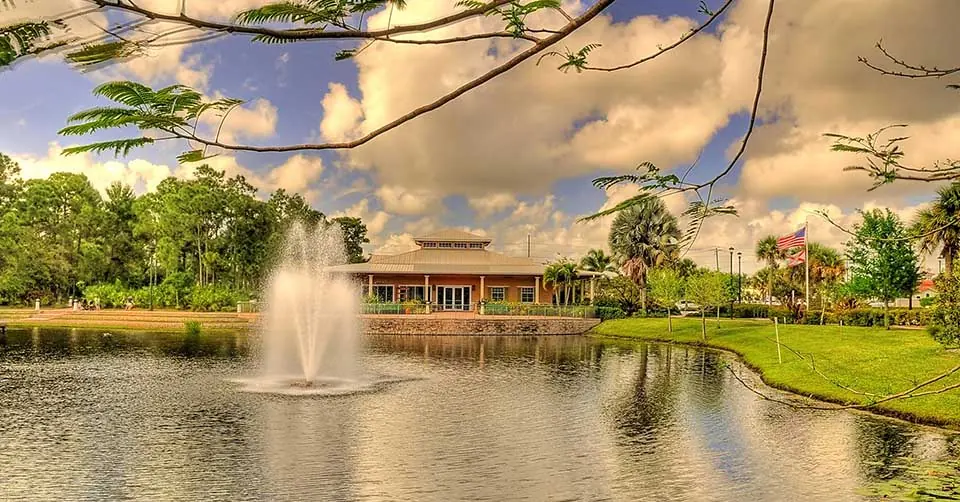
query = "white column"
x=483 y=290
x=536 y=289
x=427 y=297
x=592 y=282
x=370 y=285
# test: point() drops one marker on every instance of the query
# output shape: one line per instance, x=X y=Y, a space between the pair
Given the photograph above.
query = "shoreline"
x=949 y=424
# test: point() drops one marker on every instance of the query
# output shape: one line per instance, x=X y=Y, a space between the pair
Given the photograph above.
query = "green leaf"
x=118 y=147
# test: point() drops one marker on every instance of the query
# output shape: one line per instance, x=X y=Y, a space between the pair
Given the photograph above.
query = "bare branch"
x=910 y=393
x=907 y=70
x=687 y=36
x=540 y=46
x=298 y=34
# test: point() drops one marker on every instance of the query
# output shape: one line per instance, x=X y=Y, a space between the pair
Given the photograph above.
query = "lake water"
x=156 y=417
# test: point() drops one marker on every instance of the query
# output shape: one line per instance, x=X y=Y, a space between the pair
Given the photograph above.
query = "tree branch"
x=687 y=36
x=908 y=70
x=298 y=34
x=540 y=46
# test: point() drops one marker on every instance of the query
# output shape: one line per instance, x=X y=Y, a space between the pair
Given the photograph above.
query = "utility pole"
x=528 y=245
x=739 y=277
x=716 y=253
x=731 y=281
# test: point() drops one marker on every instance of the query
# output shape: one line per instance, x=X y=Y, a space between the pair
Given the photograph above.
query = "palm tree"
x=561 y=274
x=642 y=237
x=598 y=261
x=939 y=225
x=686 y=267
x=768 y=252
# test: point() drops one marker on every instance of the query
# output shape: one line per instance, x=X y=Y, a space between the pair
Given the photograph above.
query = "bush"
x=945 y=315
x=605 y=313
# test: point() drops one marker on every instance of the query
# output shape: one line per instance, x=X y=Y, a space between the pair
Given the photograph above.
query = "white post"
x=239 y=310
x=370 y=285
x=776 y=328
x=426 y=291
x=481 y=296
x=592 y=283
x=36 y=305
x=806 y=265
x=536 y=289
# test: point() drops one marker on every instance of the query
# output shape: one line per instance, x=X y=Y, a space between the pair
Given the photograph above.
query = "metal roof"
x=448 y=261
x=451 y=235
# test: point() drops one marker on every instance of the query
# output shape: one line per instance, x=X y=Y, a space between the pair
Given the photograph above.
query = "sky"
x=515 y=158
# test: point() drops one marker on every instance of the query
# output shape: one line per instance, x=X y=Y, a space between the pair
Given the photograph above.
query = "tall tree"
x=883 y=265
x=354 y=237
x=768 y=253
x=666 y=288
x=644 y=236
x=708 y=290
x=938 y=225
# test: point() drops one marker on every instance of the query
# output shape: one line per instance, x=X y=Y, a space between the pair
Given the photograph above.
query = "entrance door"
x=453 y=297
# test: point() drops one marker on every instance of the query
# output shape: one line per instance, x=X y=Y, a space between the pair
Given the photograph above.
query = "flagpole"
x=806 y=262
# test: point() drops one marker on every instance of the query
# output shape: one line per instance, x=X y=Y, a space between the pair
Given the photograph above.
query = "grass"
x=158 y=320
x=870 y=360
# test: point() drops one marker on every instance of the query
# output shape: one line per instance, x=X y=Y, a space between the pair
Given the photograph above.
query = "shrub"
x=605 y=313
x=945 y=315
x=928 y=301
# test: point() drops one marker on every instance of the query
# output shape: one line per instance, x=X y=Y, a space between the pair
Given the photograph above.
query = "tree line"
x=204 y=242
x=879 y=262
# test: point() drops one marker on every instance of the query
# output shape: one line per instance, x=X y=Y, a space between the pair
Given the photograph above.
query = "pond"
x=156 y=417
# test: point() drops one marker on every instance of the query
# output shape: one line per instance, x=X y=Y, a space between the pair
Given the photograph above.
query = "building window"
x=429 y=244
x=460 y=245
x=476 y=245
x=446 y=244
x=498 y=293
x=383 y=293
x=526 y=295
x=408 y=293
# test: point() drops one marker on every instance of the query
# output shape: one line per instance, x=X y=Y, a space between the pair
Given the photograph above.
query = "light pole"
x=739 y=277
x=731 y=281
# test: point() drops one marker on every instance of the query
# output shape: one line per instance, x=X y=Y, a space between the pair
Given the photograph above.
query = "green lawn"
x=866 y=359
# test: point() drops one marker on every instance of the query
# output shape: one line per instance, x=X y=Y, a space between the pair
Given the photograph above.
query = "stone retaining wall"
x=374 y=325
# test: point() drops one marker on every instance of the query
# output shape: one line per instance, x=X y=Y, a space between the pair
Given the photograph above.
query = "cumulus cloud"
x=254 y=120
x=404 y=201
x=373 y=219
x=532 y=126
x=138 y=173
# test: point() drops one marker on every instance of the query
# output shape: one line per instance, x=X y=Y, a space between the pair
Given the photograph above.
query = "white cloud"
x=491 y=204
x=517 y=133
x=298 y=174
x=257 y=119
x=374 y=220
x=341 y=115
x=138 y=173
x=398 y=200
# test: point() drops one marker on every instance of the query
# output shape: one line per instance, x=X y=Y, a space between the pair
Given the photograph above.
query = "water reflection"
x=154 y=416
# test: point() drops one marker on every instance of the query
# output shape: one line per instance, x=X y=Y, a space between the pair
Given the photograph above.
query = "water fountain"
x=310 y=326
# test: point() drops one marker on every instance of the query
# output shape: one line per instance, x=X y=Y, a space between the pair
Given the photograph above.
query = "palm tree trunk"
x=948 y=262
x=886 y=315
x=669 y=321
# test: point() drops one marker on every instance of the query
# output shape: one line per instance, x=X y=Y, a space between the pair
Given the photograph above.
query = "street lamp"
x=739 y=277
x=731 y=281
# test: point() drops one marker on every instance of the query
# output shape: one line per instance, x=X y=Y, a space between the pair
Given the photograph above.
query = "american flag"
x=793 y=240
x=797 y=258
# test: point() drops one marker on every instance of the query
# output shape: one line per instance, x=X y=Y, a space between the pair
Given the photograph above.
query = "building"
x=454 y=271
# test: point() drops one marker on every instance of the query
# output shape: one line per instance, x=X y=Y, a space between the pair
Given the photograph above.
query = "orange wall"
x=512 y=283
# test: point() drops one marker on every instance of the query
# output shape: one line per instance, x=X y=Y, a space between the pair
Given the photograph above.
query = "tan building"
x=454 y=271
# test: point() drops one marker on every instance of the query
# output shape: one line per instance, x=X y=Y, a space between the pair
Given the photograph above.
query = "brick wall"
x=376 y=325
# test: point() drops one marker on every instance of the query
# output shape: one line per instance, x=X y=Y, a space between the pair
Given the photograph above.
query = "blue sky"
x=671 y=106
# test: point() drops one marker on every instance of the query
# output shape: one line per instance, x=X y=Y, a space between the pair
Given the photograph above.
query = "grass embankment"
x=865 y=359
x=157 y=320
